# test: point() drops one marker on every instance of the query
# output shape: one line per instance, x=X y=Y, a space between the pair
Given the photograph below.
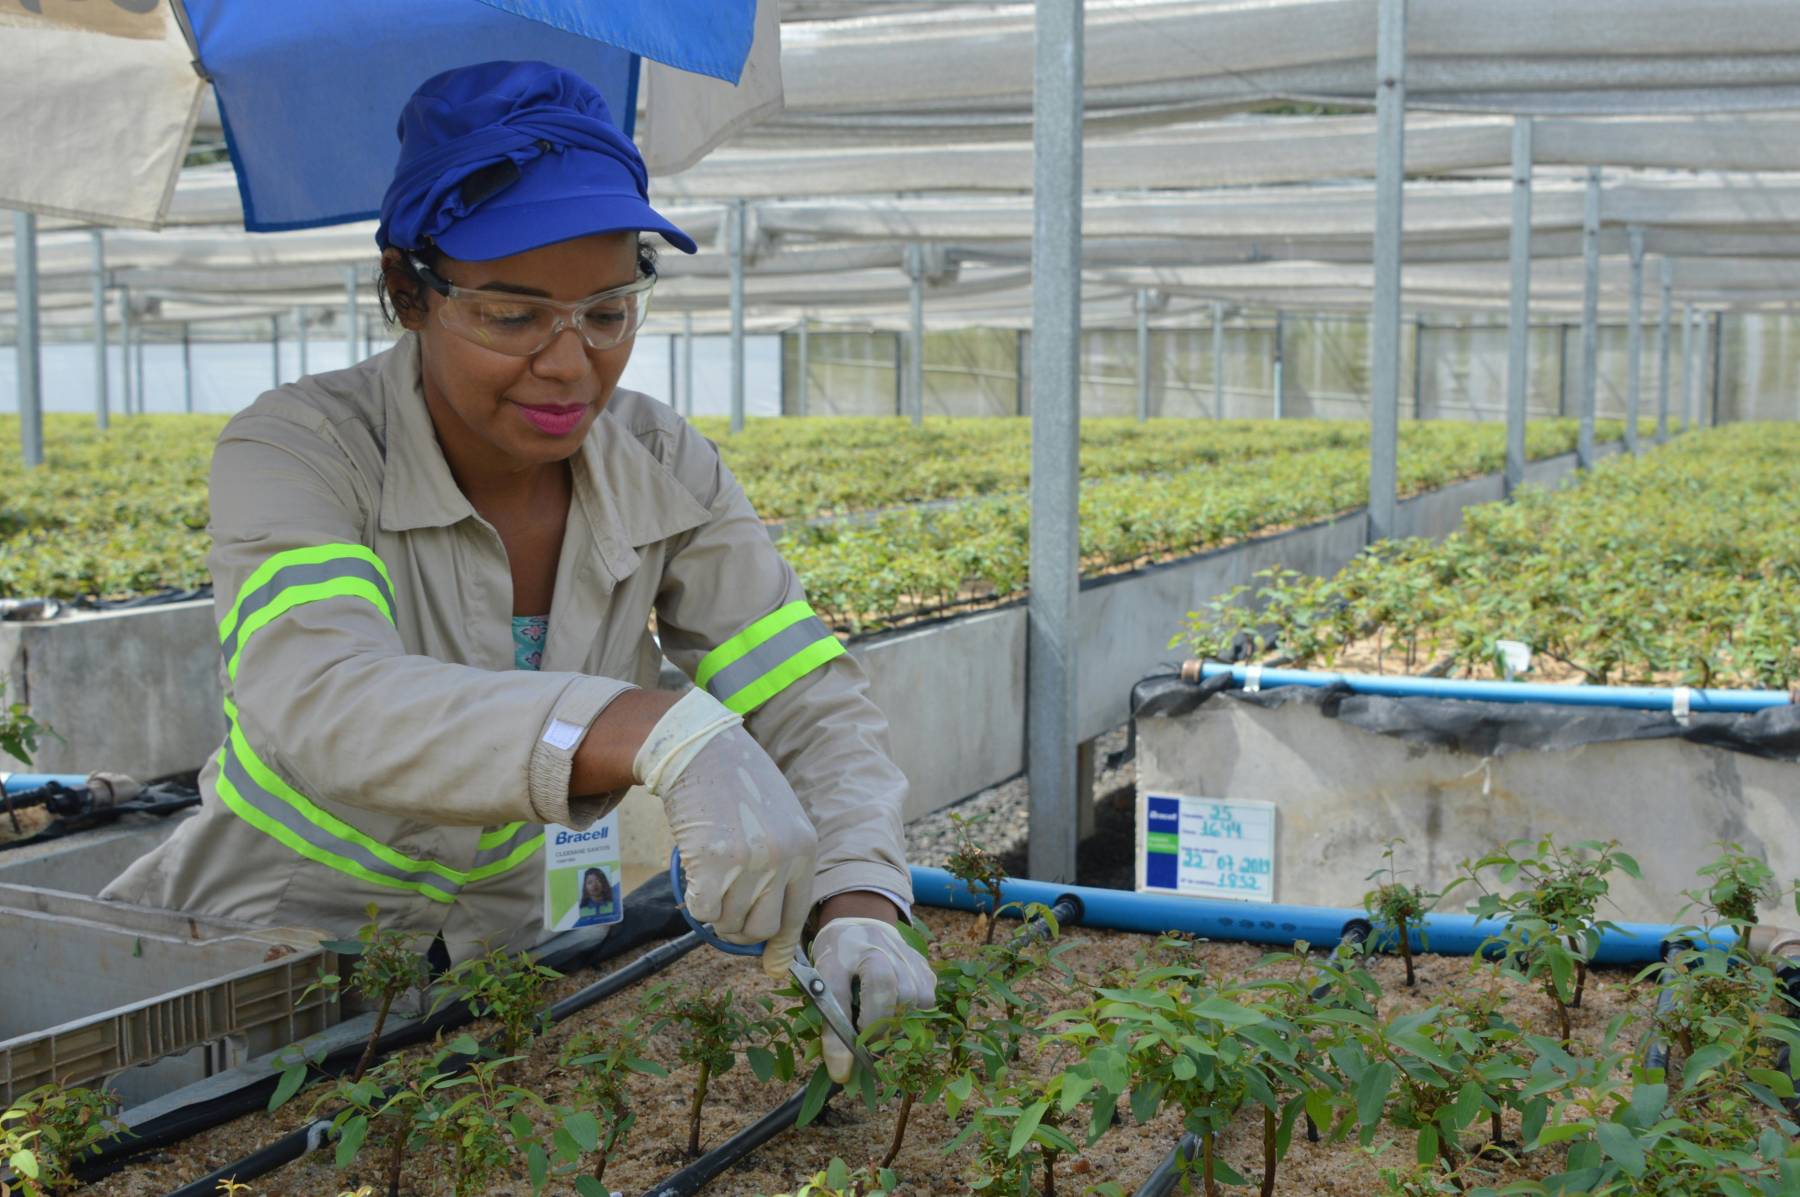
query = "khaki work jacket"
x=382 y=748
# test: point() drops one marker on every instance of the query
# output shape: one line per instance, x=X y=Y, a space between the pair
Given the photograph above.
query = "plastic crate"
x=95 y=988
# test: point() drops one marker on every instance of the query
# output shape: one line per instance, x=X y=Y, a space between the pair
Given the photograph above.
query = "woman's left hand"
x=892 y=977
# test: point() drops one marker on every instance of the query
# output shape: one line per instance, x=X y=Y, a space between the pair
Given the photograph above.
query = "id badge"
x=582 y=882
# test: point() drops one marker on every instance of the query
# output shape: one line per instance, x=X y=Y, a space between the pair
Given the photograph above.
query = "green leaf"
x=350 y=1139
x=24 y=1162
x=1146 y=1099
x=292 y=1078
x=1228 y=1012
x=587 y=1186
x=837 y=1173
x=818 y=1089
x=1428 y=1143
x=465 y=1045
x=584 y=1128
x=762 y=1062
x=1026 y=1126
x=1618 y=1143
x=1371 y=1093
x=1467 y=1105
x=537 y=1167
x=1647 y=1102
x=1703 y=1063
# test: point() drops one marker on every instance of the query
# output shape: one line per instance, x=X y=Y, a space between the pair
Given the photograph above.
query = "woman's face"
x=485 y=401
x=591 y=883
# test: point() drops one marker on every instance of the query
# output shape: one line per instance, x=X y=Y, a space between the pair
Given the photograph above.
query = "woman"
x=596 y=898
x=434 y=574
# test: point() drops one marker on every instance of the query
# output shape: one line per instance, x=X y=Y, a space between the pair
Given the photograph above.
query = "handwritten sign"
x=1206 y=847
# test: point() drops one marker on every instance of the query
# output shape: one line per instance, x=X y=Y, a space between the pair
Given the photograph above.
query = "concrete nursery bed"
x=138 y=691
x=1341 y=792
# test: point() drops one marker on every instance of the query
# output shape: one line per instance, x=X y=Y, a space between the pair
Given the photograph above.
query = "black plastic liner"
x=1489 y=728
x=75 y=812
x=650 y=914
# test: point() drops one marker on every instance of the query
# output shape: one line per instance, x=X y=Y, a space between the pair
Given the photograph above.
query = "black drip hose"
x=1656 y=1048
x=703 y=1171
x=299 y=1142
x=1355 y=933
x=650 y=914
x=1168 y=1174
x=1066 y=910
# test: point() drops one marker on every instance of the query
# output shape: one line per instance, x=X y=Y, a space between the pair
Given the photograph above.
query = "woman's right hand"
x=747 y=845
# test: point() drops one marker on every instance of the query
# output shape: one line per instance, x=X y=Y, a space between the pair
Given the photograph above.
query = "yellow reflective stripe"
x=783 y=675
x=247 y=811
x=746 y=641
x=294 y=596
x=498 y=836
x=312 y=555
x=511 y=860
x=271 y=781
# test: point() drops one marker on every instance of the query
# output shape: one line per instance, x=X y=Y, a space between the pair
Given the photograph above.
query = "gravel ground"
x=1004 y=814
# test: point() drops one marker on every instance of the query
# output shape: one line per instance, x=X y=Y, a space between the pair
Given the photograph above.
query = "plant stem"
x=1406 y=950
x=1206 y=1164
x=694 y=1111
x=1494 y=1121
x=1049 y=1174
x=600 y=1167
x=906 y=1103
x=1268 y=1180
x=1562 y=1012
x=394 y=1162
x=1580 y=982
x=362 y=1065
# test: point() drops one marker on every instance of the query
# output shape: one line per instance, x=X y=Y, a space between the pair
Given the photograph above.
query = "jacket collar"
x=623 y=493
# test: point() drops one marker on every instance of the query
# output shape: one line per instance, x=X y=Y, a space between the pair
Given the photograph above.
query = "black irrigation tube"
x=1066 y=910
x=1168 y=1174
x=315 y=1134
x=121 y=1150
x=73 y=816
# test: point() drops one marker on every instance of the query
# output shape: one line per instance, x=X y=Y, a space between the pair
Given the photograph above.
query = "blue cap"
x=504 y=157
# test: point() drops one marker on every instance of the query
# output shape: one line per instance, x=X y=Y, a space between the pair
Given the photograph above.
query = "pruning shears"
x=800 y=968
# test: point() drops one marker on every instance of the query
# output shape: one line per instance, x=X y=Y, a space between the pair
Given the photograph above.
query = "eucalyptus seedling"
x=385 y=1110
x=1395 y=906
x=507 y=987
x=976 y=868
x=712 y=1027
x=45 y=1133
x=602 y=1061
x=386 y=968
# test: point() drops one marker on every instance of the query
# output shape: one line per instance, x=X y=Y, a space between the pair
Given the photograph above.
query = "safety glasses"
x=523 y=325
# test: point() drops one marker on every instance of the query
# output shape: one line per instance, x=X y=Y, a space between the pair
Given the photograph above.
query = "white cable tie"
x=1253 y=679
x=1682 y=703
x=316 y=1133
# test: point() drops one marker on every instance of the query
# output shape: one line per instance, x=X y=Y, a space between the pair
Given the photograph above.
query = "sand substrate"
x=1126 y=1154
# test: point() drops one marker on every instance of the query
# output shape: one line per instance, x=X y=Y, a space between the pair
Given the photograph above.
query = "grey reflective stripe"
x=299 y=825
x=525 y=834
x=766 y=656
x=302 y=575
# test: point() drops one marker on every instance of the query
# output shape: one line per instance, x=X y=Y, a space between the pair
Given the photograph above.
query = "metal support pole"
x=350 y=315
x=1518 y=330
x=687 y=363
x=1050 y=669
x=1718 y=359
x=27 y=352
x=1689 y=345
x=1218 y=354
x=1634 y=344
x=1384 y=339
x=138 y=372
x=737 y=236
x=1143 y=354
x=187 y=369
x=1418 y=367
x=1590 y=320
x=102 y=402
x=125 y=350
x=300 y=336
x=1662 y=351
x=805 y=365
x=915 y=341
x=1279 y=382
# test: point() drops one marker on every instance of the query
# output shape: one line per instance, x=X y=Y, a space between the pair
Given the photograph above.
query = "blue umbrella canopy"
x=309 y=94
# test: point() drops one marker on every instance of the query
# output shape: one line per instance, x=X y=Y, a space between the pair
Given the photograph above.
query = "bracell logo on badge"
x=582 y=881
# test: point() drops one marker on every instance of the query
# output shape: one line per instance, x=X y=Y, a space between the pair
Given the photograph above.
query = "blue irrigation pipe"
x=1271 y=923
x=19 y=783
x=1639 y=698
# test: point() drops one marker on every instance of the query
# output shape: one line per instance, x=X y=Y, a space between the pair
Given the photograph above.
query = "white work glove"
x=892 y=977
x=746 y=844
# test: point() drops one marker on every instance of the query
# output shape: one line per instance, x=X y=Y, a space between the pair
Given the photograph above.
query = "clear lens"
x=521 y=327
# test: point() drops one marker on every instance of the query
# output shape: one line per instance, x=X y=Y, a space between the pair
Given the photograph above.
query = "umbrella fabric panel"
x=310 y=96
x=708 y=37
